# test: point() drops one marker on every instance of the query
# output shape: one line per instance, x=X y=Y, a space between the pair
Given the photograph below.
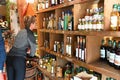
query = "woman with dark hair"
x=2 y=55
x=16 y=58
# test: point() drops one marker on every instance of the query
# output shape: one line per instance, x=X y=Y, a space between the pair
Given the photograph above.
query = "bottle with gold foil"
x=119 y=17
x=114 y=18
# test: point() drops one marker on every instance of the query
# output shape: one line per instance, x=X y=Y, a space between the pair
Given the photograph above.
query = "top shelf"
x=66 y=4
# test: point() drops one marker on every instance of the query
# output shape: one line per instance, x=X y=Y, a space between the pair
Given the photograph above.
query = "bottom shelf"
x=104 y=68
x=44 y=71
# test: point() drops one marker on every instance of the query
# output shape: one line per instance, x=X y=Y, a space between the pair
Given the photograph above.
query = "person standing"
x=2 y=55
x=16 y=58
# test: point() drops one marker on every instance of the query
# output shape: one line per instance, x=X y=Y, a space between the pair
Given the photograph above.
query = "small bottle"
x=55 y=46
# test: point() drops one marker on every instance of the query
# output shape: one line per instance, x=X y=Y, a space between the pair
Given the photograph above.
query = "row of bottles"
x=93 y=20
x=81 y=48
x=110 y=51
x=44 y=4
x=48 y=62
x=68 y=46
x=65 y=22
x=115 y=18
x=59 y=47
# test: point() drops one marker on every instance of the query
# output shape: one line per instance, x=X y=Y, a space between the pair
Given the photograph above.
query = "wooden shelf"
x=98 y=66
x=44 y=71
x=63 y=5
x=86 y=33
x=93 y=38
x=103 y=68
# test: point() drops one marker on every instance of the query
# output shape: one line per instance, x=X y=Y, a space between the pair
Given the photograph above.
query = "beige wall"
x=3 y=10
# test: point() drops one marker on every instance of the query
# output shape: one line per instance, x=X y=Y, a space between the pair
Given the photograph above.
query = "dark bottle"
x=112 y=53
x=117 y=57
x=108 y=48
x=77 y=48
x=83 y=53
x=103 y=50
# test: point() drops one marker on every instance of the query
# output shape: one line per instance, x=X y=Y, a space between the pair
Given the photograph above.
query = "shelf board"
x=86 y=33
x=103 y=68
x=44 y=71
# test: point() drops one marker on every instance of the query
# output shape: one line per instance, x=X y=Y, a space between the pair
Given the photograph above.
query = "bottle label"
x=77 y=53
x=113 y=21
x=83 y=54
x=111 y=57
x=102 y=53
x=79 y=27
x=117 y=60
x=80 y=51
x=108 y=54
x=67 y=49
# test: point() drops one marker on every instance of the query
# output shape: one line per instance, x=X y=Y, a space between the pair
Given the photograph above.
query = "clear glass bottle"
x=114 y=18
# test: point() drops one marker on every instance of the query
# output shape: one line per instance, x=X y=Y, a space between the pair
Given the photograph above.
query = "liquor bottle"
x=77 y=48
x=58 y=47
x=83 y=49
x=70 y=21
x=108 y=49
x=83 y=24
x=59 y=24
x=66 y=21
x=62 y=20
x=62 y=48
x=70 y=47
x=79 y=24
x=55 y=46
x=87 y=16
x=46 y=4
x=80 y=49
x=112 y=54
x=119 y=17
x=52 y=2
x=102 y=50
x=117 y=57
x=114 y=18
x=67 y=43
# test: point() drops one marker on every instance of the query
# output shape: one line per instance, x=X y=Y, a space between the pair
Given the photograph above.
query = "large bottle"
x=112 y=53
x=119 y=17
x=103 y=50
x=108 y=48
x=114 y=18
x=117 y=57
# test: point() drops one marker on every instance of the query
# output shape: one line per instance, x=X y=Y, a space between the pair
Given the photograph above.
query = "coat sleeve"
x=2 y=52
x=32 y=48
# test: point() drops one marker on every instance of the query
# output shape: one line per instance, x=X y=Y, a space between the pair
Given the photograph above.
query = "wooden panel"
x=3 y=10
x=108 y=5
x=92 y=48
x=80 y=11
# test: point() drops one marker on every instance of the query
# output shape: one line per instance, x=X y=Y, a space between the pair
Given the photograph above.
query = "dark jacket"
x=2 y=51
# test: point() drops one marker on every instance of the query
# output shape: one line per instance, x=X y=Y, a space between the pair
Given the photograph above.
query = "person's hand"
x=28 y=51
x=1 y=76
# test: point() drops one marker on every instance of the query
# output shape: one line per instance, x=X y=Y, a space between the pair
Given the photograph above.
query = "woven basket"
x=30 y=72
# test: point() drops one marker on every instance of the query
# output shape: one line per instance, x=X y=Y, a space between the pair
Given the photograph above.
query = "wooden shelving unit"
x=93 y=38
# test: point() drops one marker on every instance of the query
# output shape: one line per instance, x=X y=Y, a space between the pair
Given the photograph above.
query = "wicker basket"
x=30 y=72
